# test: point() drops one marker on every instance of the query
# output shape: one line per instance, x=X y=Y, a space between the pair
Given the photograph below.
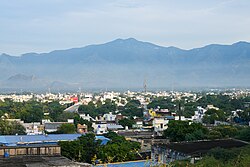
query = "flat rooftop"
x=39 y=161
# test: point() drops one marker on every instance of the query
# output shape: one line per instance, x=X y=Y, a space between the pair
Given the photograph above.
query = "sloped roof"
x=204 y=146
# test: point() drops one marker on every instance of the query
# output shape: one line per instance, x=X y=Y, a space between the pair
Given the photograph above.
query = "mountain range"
x=125 y=64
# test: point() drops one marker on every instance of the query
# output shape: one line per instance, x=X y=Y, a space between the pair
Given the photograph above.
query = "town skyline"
x=125 y=83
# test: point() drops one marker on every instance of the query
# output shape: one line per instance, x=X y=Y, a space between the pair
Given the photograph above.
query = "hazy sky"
x=46 y=25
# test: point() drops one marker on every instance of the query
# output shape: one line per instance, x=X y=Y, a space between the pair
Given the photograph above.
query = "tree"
x=244 y=116
x=244 y=134
x=118 y=149
x=65 y=115
x=114 y=137
x=133 y=103
x=83 y=149
x=86 y=149
x=226 y=130
x=213 y=134
x=126 y=122
x=132 y=108
x=89 y=147
x=66 y=128
x=11 y=128
x=182 y=131
x=213 y=115
x=100 y=109
x=35 y=112
x=88 y=109
x=55 y=109
x=133 y=111
x=223 y=154
x=209 y=161
x=220 y=157
x=162 y=103
x=78 y=120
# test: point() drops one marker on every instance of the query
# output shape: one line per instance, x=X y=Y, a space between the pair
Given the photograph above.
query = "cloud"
x=45 y=25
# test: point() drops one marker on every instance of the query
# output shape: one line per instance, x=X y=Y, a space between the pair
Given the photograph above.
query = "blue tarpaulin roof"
x=9 y=140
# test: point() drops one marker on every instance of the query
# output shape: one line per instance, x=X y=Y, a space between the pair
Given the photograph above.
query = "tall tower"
x=145 y=86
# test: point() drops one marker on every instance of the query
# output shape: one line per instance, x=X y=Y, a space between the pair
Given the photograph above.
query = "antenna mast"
x=145 y=86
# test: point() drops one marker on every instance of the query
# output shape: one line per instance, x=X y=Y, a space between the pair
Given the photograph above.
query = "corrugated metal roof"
x=19 y=139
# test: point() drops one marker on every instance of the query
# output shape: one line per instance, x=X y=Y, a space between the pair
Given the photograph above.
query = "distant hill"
x=125 y=63
x=21 y=81
x=21 y=78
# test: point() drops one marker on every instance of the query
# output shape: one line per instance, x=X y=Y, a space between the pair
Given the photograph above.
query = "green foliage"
x=188 y=113
x=126 y=122
x=99 y=109
x=244 y=134
x=86 y=148
x=213 y=134
x=11 y=128
x=132 y=108
x=65 y=115
x=244 y=115
x=88 y=109
x=70 y=149
x=32 y=111
x=162 y=103
x=66 y=129
x=167 y=103
x=183 y=131
x=114 y=137
x=224 y=102
x=79 y=120
x=218 y=157
x=223 y=154
x=222 y=131
x=221 y=101
x=226 y=130
x=209 y=162
x=133 y=103
x=189 y=109
x=231 y=157
x=131 y=111
x=198 y=134
x=55 y=110
x=213 y=115
x=83 y=149
x=118 y=149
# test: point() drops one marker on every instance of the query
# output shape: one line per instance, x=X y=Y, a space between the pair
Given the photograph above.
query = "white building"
x=33 y=128
x=87 y=117
x=198 y=115
x=109 y=117
x=160 y=124
x=100 y=128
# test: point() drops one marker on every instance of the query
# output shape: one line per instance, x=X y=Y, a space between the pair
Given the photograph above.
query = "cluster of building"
x=144 y=130
x=156 y=119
